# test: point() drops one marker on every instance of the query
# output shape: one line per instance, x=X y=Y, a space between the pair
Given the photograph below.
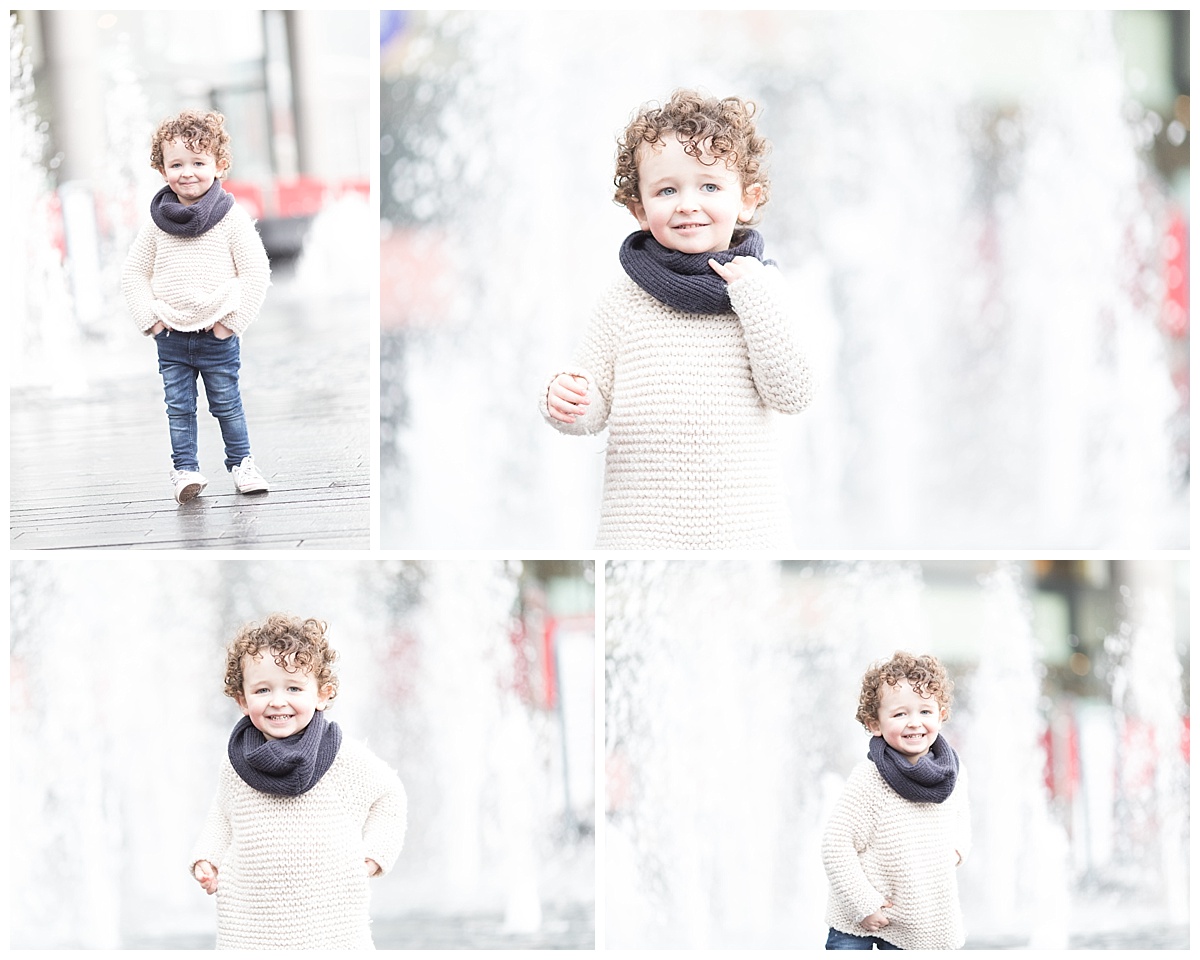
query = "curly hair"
x=925 y=674
x=201 y=132
x=724 y=128
x=297 y=645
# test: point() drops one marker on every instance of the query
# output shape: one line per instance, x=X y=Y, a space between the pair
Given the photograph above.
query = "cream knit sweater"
x=687 y=398
x=290 y=870
x=189 y=283
x=878 y=846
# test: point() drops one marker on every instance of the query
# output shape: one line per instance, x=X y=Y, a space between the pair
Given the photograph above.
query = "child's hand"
x=567 y=397
x=373 y=869
x=221 y=332
x=158 y=328
x=736 y=269
x=876 y=921
x=206 y=874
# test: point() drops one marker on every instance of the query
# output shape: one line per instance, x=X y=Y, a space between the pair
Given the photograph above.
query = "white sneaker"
x=247 y=479
x=188 y=484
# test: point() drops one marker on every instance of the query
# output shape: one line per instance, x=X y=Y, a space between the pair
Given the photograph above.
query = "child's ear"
x=241 y=702
x=324 y=695
x=639 y=213
x=874 y=728
x=751 y=198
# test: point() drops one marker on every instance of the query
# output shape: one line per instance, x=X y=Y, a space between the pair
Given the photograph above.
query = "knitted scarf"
x=173 y=217
x=685 y=281
x=287 y=767
x=929 y=780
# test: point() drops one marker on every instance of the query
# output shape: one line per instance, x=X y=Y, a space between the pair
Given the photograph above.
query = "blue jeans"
x=848 y=941
x=181 y=358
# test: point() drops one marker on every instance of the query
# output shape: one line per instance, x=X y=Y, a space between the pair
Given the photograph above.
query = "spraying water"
x=961 y=204
x=731 y=694
x=119 y=724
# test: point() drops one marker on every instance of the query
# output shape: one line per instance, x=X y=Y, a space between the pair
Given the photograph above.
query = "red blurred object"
x=361 y=187
x=1176 y=318
x=548 y=674
x=1060 y=743
x=58 y=236
x=249 y=195
x=302 y=197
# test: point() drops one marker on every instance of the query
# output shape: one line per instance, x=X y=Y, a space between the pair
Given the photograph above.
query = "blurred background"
x=475 y=680
x=88 y=88
x=984 y=215
x=730 y=697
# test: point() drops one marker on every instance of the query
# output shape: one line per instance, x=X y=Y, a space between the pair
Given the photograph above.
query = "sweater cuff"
x=861 y=914
x=237 y=324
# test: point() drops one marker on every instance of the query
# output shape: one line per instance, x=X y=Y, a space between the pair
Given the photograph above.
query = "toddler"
x=902 y=824
x=688 y=354
x=194 y=279
x=302 y=815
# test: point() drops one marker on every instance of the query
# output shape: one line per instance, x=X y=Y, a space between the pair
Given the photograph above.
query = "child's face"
x=687 y=203
x=188 y=174
x=279 y=702
x=908 y=722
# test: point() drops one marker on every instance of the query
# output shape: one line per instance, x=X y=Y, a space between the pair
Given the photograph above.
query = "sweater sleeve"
x=595 y=361
x=962 y=825
x=847 y=835
x=253 y=270
x=136 y=276
x=779 y=367
x=216 y=834
x=387 y=821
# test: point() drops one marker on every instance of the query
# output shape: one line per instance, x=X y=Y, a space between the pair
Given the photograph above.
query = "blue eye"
x=666 y=191
x=710 y=188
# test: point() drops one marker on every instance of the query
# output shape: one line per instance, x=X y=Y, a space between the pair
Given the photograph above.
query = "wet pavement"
x=564 y=927
x=1147 y=938
x=89 y=468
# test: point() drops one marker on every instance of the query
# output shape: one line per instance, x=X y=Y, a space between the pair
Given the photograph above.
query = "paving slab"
x=90 y=462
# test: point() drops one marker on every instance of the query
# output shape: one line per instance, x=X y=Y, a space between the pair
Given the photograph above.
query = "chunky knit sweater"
x=687 y=398
x=190 y=283
x=290 y=870
x=879 y=847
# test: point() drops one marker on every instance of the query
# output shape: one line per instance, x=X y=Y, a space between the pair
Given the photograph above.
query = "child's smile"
x=188 y=174
x=690 y=204
x=279 y=702
x=907 y=721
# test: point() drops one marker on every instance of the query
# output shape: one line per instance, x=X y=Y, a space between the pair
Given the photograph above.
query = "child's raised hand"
x=372 y=867
x=735 y=269
x=567 y=397
x=876 y=921
x=206 y=874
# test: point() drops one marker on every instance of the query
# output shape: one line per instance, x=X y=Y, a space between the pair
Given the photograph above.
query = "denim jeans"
x=181 y=358
x=848 y=941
